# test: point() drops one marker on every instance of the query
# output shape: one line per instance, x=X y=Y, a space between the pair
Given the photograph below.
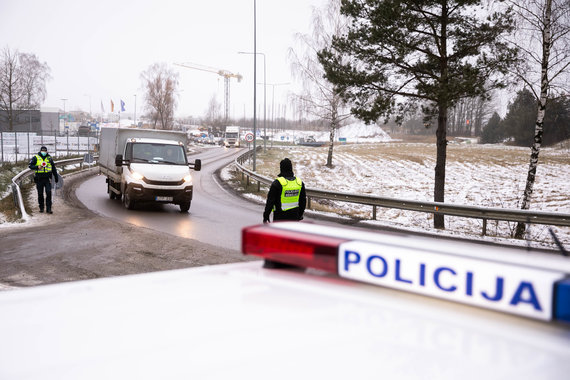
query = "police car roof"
x=243 y=321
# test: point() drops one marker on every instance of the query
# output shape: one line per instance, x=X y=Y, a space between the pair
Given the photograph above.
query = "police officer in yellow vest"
x=42 y=164
x=286 y=198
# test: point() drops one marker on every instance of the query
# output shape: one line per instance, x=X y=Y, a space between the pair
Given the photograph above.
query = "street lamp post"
x=273 y=104
x=264 y=97
x=64 y=125
x=254 y=81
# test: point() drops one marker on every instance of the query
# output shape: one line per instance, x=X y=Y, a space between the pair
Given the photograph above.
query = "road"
x=216 y=216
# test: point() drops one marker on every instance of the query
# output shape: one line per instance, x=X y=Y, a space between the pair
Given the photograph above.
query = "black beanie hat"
x=42 y=148
x=286 y=166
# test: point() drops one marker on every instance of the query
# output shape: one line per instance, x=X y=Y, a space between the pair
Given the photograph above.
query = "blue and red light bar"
x=505 y=279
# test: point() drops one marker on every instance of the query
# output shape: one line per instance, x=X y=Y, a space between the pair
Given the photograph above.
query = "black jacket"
x=274 y=199
x=33 y=165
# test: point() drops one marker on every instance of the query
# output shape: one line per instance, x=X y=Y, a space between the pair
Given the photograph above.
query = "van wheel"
x=112 y=194
x=128 y=202
x=184 y=207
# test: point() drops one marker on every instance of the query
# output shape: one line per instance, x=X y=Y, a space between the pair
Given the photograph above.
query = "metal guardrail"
x=484 y=213
x=18 y=178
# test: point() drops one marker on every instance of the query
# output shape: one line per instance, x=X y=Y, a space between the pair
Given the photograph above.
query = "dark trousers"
x=41 y=185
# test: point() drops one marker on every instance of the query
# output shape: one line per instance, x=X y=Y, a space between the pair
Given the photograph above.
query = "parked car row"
x=206 y=140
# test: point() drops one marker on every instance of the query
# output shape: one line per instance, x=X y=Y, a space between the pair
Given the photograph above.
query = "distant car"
x=310 y=141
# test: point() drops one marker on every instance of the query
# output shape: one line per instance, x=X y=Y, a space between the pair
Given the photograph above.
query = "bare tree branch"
x=160 y=85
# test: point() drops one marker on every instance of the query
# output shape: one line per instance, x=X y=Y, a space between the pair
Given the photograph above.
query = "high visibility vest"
x=40 y=161
x=290 y=193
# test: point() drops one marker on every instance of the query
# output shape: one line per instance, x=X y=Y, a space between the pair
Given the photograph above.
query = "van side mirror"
x=197 y=165
x=119 y=160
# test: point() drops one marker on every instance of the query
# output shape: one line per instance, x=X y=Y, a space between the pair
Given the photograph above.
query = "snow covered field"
x=477 y=175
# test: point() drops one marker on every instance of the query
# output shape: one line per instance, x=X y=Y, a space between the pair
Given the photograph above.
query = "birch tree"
x=22 y=83
x=546 y=25
x=160 y=85
x=318 y=96
x=430 y=51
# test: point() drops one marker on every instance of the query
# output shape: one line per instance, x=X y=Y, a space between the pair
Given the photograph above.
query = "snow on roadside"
x=356 y=132
x=477 y=175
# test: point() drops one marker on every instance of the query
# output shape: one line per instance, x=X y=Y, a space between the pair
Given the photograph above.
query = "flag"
x=122 y=106
x=112 y=106
x=102 y=108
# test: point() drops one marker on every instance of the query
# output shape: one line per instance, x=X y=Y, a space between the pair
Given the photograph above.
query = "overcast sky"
x=97 y=49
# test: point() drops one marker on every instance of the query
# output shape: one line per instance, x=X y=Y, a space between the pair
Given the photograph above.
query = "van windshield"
x=156 y=153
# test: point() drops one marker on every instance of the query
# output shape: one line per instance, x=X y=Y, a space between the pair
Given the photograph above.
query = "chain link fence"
x=21 y=146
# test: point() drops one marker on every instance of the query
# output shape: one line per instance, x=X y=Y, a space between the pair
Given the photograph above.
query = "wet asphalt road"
x=216 y=215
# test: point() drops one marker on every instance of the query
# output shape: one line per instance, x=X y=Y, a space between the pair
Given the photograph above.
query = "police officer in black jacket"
x=286 y=198
x=44 y=167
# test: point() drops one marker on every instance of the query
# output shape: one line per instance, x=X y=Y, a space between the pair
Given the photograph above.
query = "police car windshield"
x=157 y=153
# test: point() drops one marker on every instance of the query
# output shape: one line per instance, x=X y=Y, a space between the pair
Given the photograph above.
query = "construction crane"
x=223 y=73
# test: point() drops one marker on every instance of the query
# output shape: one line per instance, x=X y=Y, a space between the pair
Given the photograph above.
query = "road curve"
x=215 y=217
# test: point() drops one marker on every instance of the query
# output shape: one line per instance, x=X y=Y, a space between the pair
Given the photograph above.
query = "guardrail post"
x=308 y=202
x=247 y=182
x=484 y=227
x=258 y=186
x=374 y=212
x=15 y=196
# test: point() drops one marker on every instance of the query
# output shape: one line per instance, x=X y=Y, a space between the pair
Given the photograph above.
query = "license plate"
x=164 y=199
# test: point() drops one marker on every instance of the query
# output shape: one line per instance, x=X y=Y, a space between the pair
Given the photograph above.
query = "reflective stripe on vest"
x=40 y=163
x=290 y=193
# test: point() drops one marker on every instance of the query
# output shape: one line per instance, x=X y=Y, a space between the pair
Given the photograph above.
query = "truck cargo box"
x=113 y=142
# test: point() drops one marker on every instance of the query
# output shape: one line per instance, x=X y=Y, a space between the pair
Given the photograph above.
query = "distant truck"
x=231 y=137
x=146 y=165
x=87 y=129
x=310 y=141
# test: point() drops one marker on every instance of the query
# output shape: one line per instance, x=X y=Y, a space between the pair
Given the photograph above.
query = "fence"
x=20 y=146
x=26 y=173
x=483 y=213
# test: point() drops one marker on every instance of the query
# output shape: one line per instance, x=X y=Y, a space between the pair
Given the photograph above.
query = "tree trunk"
x=441 y=134
x=439 y=188
x=539 y=126
x=334 y=124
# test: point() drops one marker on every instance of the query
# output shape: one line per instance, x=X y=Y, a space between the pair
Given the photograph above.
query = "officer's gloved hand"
x=56 y=179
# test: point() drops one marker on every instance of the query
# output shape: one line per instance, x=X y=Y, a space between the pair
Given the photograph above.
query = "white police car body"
x=243 y=321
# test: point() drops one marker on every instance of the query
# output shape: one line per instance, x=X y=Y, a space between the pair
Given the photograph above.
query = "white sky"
x=97 y=49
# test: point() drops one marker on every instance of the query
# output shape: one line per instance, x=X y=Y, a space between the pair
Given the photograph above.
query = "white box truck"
x=146 y=165
x=231 y=137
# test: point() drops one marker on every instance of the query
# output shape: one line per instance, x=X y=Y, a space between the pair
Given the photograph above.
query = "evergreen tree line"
x=518 y=126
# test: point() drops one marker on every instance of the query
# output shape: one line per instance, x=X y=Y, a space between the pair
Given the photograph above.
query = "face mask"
x=43 y=153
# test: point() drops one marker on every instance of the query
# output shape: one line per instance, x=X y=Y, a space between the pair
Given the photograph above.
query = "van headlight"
x=137 y=176
x=188 y=178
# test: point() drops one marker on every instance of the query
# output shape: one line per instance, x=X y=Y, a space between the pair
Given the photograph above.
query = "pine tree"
x=520 y=118
x=494 y=131
x=434 y=52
